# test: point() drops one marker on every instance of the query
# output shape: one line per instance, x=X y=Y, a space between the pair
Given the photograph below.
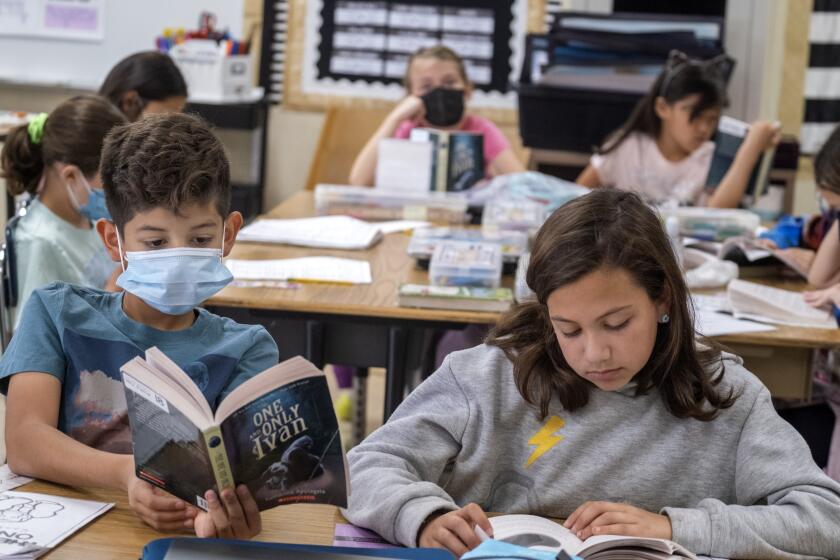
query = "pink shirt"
x=494 y=141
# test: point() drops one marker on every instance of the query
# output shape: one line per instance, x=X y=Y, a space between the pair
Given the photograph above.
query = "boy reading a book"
x=167 y=186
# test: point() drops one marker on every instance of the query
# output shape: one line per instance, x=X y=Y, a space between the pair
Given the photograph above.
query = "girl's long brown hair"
x=612 y=229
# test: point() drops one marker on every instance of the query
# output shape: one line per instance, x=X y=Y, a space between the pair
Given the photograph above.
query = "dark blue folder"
x=213 y=549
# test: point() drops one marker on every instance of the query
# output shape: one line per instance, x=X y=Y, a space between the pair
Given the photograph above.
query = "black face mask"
x=444 y=107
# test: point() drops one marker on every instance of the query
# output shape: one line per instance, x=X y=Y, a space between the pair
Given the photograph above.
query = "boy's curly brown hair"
x=165 y=160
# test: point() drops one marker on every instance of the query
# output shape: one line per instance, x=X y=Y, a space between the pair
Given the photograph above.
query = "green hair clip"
x=36 y=127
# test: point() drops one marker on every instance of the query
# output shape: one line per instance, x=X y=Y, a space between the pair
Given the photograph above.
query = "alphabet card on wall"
x=277 y=433
x=32 y=524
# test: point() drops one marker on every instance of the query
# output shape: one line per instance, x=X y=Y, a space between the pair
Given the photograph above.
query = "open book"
x=730 y=135
x=753 y=258
x=540 y=533
x=276 y=433
x=765 y=304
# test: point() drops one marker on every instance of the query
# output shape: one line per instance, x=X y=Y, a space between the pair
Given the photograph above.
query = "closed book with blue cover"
x=276 y=433
x=217 y=549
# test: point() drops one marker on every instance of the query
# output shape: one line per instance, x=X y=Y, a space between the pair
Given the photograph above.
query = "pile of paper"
x=306 y=269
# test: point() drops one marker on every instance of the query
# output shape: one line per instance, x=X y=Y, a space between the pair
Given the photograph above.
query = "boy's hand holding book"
x=158 y=509
x=608 y=518
x=234 y=516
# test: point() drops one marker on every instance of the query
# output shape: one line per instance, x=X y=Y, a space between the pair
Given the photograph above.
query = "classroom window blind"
x=822 y=78
x=273 y=62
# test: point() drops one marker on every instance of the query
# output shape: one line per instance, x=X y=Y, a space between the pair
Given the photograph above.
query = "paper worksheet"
x=326 y=232
x=305 y=269
x=10 y=480
x=32 y=524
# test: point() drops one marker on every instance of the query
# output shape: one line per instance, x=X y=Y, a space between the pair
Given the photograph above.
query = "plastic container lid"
x=466 y=263
x=502 y=214
x=424 y=240
x=713 y=224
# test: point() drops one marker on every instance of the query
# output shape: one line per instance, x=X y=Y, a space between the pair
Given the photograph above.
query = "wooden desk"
x=364 y=326
x=119 y=533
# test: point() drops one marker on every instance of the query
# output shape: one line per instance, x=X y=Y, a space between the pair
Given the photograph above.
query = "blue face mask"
x=95 y=209
x=174 y=281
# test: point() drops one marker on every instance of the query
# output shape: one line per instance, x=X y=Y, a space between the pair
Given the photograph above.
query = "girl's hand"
x=455 y=531
x=235 y=516
x=763 y=135
x=410 y=108
x=823 y=298
x=607 y=518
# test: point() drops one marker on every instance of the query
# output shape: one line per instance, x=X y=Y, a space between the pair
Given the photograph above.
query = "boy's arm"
x=36 y=448
x=728 y=194
x=363 y=172
x=825 y=270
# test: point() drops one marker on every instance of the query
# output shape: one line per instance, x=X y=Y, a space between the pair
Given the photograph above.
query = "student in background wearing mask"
x=167 y=186
x=55 y=159
x=438 y=89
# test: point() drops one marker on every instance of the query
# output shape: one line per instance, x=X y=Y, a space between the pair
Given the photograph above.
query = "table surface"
x=391 y=266
x=119 y=533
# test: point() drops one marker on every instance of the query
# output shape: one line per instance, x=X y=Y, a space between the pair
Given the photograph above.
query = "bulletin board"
x=355 y=51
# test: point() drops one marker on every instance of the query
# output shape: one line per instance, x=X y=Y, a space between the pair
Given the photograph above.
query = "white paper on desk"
x=400 y=225
x=326 y=232
x=404 y=165
x=33 y=523
x=712 y=302
x=774 y=305
x=711 y=323
x=10 y=480
x=313 y=269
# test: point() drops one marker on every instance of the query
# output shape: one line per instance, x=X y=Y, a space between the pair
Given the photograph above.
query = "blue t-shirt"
x=82 y=336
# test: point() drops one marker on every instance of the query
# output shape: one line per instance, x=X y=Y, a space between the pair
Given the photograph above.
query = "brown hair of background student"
x=827 y=163
x=73 y=134
x=613 y=229
x=438 y=52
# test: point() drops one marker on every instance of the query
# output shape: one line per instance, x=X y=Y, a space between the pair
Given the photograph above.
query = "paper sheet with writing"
x=10 y=480
x=31 y=524
x=305 y=269
x=712 y=323
x=328 y=232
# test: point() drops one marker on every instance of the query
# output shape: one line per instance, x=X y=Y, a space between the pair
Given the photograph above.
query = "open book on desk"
x=753 y=258
x=277 y=433
x=765 y=304
x=543 y=534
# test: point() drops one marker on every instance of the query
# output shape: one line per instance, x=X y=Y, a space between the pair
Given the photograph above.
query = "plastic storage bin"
x=502 y=214
x=713 y=224
x=212 y=75
x=380 y=204
x=465 y=263
x=424 y=240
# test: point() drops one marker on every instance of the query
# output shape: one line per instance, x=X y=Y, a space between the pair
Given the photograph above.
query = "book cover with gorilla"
x=277 y=433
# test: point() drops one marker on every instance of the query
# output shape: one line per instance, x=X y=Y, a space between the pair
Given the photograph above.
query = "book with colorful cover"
x=457 y=158
x=462 y=298
x=277 y=433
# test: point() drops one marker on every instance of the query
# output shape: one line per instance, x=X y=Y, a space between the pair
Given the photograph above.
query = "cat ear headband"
x=720 y=66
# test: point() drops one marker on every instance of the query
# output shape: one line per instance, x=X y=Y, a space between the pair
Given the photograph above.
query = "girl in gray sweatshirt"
x=595 y=403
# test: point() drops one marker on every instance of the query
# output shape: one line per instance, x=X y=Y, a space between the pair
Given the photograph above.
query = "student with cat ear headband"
x=664 y=150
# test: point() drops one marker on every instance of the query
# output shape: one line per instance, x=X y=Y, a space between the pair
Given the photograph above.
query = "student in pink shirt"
x=438 y=90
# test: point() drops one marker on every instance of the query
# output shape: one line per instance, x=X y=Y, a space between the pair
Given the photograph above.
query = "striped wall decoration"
x=275 y=34
x=822 y=79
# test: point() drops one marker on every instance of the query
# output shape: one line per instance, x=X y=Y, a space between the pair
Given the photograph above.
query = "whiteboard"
x=128 y=26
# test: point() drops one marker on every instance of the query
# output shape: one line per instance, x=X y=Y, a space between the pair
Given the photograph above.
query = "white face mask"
x=174 y=281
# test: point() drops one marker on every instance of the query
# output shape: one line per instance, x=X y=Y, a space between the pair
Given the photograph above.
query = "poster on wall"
x=362 y=47
x=64 y=19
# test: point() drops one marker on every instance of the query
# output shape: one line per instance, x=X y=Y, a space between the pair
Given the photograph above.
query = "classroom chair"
x=8 y=275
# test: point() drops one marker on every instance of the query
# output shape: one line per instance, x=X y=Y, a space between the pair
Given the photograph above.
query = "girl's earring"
x=665 y=318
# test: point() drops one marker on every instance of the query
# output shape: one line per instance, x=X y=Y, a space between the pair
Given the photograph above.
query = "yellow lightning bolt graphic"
x=545 y=439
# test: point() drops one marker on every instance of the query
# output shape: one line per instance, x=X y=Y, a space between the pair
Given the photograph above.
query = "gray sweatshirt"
x=741 y=486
